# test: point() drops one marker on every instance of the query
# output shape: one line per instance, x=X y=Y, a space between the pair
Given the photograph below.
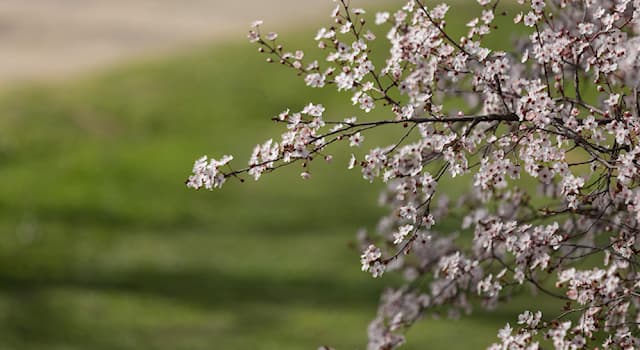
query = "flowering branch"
x=550 y=138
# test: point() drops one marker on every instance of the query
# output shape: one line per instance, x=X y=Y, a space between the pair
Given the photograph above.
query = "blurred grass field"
x=103 y=247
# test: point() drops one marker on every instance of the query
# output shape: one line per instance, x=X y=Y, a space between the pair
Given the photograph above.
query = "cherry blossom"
x=544 y=138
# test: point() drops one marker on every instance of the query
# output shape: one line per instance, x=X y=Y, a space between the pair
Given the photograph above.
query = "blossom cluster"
x=548 y=133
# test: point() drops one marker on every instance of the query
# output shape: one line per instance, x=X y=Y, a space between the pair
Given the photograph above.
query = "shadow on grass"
x=209 y=288
x=34 y=314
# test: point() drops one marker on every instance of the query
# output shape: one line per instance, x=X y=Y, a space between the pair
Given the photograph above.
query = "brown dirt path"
x=58 y=39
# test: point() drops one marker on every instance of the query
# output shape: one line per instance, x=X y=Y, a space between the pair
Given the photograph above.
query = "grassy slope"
x=103 y=247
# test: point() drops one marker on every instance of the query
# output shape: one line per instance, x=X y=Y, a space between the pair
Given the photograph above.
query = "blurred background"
x=104 y=106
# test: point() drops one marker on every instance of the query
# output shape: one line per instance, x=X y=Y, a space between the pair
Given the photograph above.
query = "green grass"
x=103 y=247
